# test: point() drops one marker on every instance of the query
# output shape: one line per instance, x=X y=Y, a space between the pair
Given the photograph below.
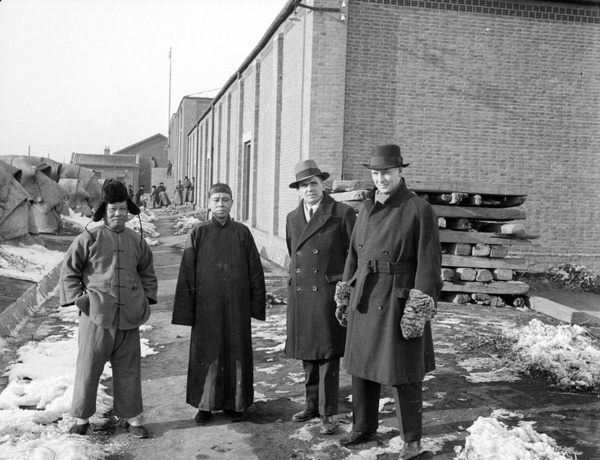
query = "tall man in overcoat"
x=393 y=270
x=318 y=236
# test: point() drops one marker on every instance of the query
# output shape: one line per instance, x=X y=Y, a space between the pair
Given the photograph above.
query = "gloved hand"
x=342 y=298
x=419 y=309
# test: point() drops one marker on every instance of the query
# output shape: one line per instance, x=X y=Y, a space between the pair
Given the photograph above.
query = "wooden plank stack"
x=478 y=225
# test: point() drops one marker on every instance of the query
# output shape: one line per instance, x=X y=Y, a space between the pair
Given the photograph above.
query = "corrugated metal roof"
x=88 y=159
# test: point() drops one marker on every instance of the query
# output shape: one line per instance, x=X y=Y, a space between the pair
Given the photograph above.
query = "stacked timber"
x=479 y=224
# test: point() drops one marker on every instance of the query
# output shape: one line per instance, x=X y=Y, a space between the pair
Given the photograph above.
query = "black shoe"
x=137 y=430
x=234 y=416
x=356 y=437
x=328 y=425
x=305 y=415
x=79 y=429
x=202 y=417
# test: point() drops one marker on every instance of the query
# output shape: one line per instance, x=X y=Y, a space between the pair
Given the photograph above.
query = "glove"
x=342 y=298
x=419 y=309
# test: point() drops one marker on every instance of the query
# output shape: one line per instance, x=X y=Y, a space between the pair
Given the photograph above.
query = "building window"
x=245 y=201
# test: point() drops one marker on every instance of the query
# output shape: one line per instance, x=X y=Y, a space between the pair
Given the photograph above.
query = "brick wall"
x=501 y=92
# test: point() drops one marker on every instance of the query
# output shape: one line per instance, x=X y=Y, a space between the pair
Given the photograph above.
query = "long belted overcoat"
x=395 y=247
x=318 y=253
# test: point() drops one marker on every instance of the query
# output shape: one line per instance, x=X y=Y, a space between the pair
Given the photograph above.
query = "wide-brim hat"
x=114 y=191
x=386 y=157
x=305 y=169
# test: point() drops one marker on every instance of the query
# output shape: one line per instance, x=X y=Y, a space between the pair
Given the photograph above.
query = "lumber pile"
x=479 y=223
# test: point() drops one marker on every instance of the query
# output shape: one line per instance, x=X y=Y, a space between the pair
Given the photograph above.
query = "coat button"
x=298 y=253
x=297 y=270
x=384 y=252
x=379 y=307
x=316 y=251
x=297 y=288
x=315 y=288
x=315 y=270
x=360 y=246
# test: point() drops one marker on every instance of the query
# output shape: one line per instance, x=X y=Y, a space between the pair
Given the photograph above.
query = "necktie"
x=310 y=213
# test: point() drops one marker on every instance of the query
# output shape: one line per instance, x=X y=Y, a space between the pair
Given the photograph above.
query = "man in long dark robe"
x=221 y=286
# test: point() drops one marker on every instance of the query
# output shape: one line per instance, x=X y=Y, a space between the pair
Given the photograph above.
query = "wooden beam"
x=467 y=187
x=514 y=263
x=470 y=212
x=493 y=287
x=451 y=236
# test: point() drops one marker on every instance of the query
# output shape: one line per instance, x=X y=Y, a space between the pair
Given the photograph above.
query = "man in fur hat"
x=108 y=273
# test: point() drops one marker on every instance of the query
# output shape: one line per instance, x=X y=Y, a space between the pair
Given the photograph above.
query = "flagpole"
x=169 y=120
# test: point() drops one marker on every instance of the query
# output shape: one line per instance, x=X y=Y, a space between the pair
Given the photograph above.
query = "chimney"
x=107 y=150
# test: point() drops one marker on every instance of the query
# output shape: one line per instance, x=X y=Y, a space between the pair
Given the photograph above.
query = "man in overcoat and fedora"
x=318 y=236
x=393 y=270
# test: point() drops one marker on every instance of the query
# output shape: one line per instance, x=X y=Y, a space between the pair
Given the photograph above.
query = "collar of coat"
x=399 y=195
x=219 y=224
x=319 y=218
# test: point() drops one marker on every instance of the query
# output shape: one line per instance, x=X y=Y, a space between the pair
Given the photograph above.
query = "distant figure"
x=130 y=191
x=187 y=185
x=163 y=198
x=192 y=187
x=138 y=197
x=179 y=193
x=169 y=168
x=154 y=162
x=154 y=196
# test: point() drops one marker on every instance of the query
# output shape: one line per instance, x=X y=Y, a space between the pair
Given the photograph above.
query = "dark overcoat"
x=221 y=285
x=394 y=247
x=318 y=252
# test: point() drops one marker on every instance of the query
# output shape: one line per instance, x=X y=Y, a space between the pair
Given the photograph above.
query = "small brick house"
x=152 y=152
x=124 y=168
x=472 y=90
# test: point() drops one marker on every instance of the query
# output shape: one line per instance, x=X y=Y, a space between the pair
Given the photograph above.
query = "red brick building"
x=472 y=90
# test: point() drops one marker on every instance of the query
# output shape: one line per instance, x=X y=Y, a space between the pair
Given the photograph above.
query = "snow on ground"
x=491 y=439
x=34 y=407
x=30 y=263
x=566 y=352
x=185 y=224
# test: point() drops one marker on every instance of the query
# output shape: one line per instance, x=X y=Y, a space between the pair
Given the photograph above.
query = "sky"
x=79 y=75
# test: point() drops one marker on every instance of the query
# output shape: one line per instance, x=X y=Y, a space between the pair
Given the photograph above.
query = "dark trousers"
x=322 y=383
x=409 y=407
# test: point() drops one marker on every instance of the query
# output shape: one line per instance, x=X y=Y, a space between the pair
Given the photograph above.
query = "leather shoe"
x=305 y=415
x=233 y=415
x=356 y=437
x=202 y=417
x=79 y=429
x=410 y=450
x=137 y=430
x=328 y=425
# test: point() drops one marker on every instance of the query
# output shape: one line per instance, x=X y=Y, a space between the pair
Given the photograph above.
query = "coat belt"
x=379 y=266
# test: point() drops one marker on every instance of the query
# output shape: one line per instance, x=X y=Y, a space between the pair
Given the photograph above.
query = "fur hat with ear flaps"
x=114 y=191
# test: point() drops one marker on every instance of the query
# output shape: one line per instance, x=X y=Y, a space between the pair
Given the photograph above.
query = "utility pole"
x=169 y=120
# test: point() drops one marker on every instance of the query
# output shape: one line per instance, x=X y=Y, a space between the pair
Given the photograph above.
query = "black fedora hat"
x=386 y=157
x=305 y=169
